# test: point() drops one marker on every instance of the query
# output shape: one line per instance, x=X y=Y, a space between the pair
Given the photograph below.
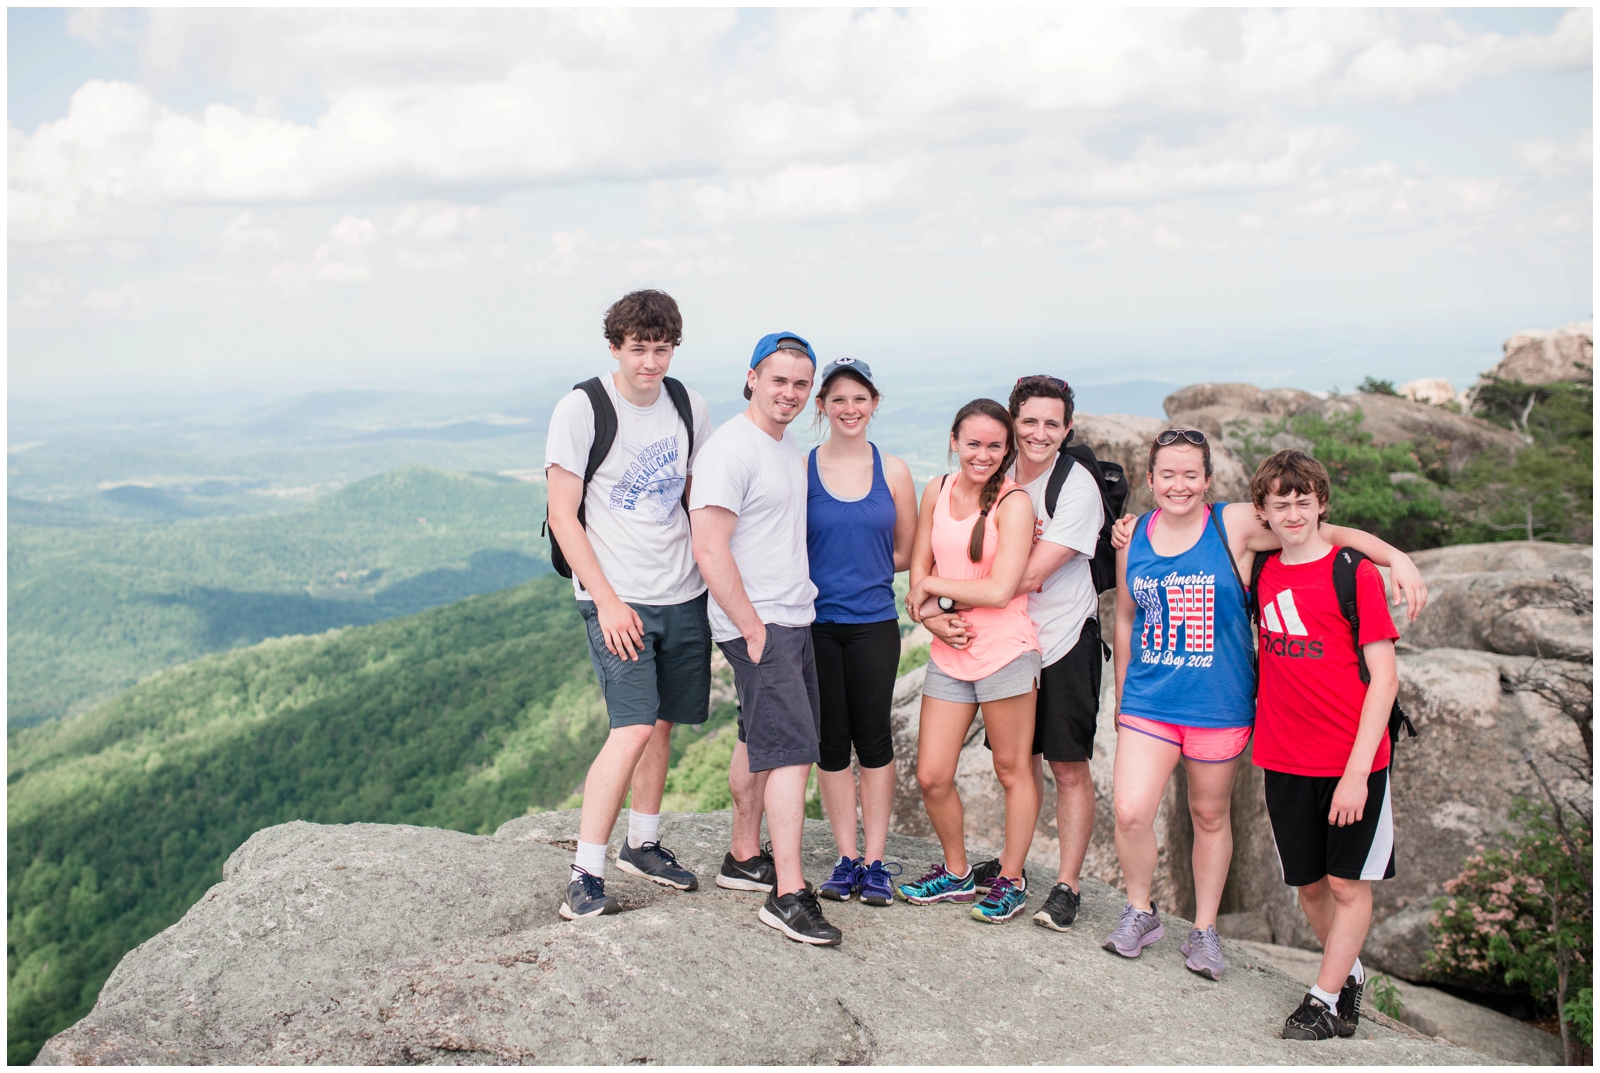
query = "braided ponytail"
x=991 y=487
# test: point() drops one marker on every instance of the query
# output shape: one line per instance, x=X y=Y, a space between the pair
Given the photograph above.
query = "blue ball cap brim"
x=768 y=346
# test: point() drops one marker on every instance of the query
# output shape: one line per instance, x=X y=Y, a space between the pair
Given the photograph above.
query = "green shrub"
x=1544 y=492
x=911 y=659
x=1514 y=917
x=1386 y=997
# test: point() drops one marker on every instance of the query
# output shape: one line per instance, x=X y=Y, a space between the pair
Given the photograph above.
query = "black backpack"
x=1345 y=561
x=605 y=434
x=1113 y=484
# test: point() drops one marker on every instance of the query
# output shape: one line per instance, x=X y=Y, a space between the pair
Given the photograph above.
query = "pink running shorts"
x=1211 y=745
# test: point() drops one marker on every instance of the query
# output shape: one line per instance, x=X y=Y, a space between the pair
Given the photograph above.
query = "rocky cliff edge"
x=370 y=943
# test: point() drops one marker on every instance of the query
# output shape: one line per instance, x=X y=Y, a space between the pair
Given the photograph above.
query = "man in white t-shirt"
x=638 y=588
x=1065 y=610
x=748 y=507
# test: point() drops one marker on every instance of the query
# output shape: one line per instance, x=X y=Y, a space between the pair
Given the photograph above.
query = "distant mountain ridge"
x=93 y=610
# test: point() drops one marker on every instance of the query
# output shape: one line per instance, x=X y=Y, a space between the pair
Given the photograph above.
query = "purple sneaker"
x=843 y=882
x=1203 y=951
x=1135 y=931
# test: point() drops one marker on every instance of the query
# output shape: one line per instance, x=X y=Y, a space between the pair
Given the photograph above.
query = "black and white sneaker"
x=1060 y=909
x=757 y=873
x=655 y=862
x=799 y=916
x=1313 y=1020
x=984 y=873
x=1349 y=1007
x=587 y=897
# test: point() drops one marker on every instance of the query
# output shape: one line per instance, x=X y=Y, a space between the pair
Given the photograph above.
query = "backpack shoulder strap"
x=1255 y=582
x=1222 y=534
x=680 y=400
x=1345 y=562
x=605 y=426
x=1057 y=481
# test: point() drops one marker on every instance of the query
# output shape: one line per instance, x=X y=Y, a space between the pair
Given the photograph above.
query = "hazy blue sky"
x=209 y=199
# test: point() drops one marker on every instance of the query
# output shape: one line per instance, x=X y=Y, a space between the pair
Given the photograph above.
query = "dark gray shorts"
x=780 y=713
x=671 y=679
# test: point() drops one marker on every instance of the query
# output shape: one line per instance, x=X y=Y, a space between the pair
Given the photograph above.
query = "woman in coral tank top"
x=973 y=540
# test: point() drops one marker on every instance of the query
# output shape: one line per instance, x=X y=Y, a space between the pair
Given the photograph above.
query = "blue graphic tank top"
x=1190 y=663
x=851 y=546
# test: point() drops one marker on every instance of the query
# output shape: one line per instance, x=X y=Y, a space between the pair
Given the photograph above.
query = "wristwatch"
x=946 y=604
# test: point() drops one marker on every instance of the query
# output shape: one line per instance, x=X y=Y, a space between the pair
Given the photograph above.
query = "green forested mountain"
x=93 y=610
x=120 y=818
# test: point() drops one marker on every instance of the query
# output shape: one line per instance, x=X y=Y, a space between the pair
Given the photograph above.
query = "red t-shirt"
x=1309 y=705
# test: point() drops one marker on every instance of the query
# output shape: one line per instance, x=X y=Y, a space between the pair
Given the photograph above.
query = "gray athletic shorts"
x=1012 y=680
x=671 y=679
x=780 y=710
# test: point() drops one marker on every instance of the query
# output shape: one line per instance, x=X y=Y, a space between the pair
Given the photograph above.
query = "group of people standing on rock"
x=677 y=536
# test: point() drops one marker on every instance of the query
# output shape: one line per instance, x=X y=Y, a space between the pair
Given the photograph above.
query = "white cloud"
x=814 y=113
x=1556 y=160
x=242 y=234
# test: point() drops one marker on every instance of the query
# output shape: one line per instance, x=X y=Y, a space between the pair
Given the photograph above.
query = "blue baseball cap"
x=771 y=344
x=839 y=365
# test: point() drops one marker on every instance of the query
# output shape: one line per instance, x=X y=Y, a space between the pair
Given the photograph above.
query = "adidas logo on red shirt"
x=1282 y=630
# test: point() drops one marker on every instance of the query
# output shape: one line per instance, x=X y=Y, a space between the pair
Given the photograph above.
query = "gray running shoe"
x=587 y=897
x=1204 y=952
x=1135 y=931
x=655 y=862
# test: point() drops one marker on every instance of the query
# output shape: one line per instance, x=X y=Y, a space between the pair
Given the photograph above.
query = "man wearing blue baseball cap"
x=747 y=508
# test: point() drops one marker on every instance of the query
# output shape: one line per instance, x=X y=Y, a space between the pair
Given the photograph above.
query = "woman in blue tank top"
x=861 y=517
x=1185 y=673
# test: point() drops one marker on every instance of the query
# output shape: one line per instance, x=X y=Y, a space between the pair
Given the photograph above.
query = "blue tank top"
x=851 y=546
x=1190 y=663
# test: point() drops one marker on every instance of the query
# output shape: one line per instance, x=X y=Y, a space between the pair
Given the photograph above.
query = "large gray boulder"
x=368 y=944
x=1520 y=598
x=1539 y=356
x=1225 y=411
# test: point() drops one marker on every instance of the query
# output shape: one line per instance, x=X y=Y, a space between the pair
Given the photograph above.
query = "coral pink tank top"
x=1001 y=633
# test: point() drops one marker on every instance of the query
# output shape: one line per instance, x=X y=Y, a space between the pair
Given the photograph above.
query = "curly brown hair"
x=648 y=316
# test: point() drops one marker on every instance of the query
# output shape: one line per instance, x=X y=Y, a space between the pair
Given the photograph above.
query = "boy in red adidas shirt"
x=1322 y=735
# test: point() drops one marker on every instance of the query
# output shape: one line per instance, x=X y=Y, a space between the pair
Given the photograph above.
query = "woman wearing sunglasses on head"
x=861 y=516
x=1185 y=677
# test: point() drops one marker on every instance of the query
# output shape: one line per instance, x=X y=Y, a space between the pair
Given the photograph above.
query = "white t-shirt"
x=763 y=481
x=1068 y=598
x=636 y=524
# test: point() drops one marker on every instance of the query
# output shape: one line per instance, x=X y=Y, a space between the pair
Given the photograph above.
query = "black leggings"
x=856 y=665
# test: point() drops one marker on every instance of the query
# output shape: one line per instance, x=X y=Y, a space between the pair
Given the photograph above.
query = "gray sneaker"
x=1204 y=952
x=655 y=862
x=1135 y=931
x=587 y=897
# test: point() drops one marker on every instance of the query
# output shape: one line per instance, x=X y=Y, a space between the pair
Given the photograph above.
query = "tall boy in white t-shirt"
x=638 y=588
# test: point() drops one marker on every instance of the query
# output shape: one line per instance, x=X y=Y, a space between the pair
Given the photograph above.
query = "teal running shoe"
x=1004 y=901
x=939 y=885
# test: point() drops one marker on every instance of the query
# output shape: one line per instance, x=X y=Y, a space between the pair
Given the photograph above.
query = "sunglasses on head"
x=1170 y=436
x=1056 y=380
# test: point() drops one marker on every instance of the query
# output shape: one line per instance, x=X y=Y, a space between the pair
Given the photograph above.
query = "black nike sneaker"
x=1313 y=1020
x=757 y=873
x=799 y=916
x=1060 y=909
x=985 y=872
x=1349 y=1007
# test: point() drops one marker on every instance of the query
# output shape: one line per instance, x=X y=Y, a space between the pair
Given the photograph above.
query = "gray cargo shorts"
x=780 y=710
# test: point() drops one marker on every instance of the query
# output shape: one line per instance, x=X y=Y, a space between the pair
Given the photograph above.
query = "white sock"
x=1356 y=971
x=1331 y=1000
x=642 y=828
x=591 y=857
